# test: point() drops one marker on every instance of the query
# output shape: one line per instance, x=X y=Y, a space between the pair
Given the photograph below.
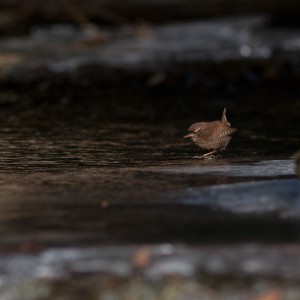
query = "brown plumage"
x=213 y=136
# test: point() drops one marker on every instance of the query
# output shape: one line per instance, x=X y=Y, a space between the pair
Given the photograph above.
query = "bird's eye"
x=228 y=124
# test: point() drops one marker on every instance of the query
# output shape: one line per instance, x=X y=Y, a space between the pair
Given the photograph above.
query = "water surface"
x=68 y=194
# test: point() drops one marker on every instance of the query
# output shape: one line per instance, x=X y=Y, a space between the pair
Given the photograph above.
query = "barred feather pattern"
x=212 y=135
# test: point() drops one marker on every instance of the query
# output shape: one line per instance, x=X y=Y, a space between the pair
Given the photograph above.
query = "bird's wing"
x=215 y=130
x=208 y=132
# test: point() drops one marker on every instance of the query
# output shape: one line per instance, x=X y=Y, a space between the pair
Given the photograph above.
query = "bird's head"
x=194 y=130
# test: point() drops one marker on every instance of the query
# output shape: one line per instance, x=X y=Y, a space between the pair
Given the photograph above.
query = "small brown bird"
x=213 y=136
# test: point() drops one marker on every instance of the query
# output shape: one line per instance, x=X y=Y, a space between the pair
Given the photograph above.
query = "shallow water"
x=80 y=183
x=83 y=200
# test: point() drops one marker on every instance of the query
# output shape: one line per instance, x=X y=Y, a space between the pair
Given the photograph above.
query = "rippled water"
x=89 y=184
x=68 y=193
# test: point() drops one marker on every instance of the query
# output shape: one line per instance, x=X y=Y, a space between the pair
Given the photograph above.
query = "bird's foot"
x=206 y=157
x=209 y=155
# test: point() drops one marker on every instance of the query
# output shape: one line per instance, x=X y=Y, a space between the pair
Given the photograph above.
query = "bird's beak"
x=188 y=135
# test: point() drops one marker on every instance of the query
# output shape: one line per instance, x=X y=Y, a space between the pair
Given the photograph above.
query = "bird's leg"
x=208 y=155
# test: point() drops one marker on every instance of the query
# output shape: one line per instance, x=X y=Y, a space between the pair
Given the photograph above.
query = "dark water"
x=80 y=182
x=64 y=180
x=85 y=199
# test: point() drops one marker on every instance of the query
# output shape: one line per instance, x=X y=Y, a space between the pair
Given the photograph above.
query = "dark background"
x=265 y=88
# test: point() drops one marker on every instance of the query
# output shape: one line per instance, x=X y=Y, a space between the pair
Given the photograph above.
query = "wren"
x=212 y=136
